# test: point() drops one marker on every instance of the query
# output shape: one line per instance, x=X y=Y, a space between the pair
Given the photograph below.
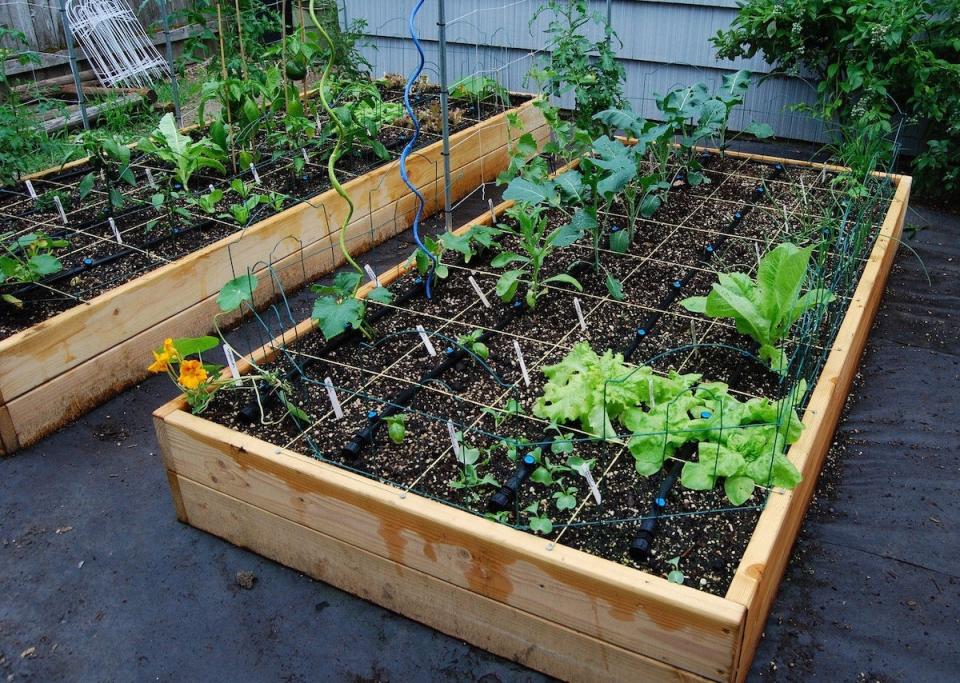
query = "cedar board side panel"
x=758 y=575
x=491 y=625
x=73 y=392
x=642 y=613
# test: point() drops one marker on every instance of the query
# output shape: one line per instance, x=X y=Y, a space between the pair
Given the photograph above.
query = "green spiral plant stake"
x=337 y=308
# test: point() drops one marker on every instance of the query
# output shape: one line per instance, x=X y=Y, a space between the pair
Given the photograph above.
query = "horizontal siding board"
x=666 y=45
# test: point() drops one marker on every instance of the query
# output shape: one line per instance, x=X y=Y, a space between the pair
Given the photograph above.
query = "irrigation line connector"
x=454 y=441
x=63 y=214
x=231 y=357
x=253 y=170
x=585 y=472
x=33 y=192
x=371 y=274
x=583 y=322
x=334 y=400
x=523 y=365
x=426 y=340
x=116 y=230
x=479 y=291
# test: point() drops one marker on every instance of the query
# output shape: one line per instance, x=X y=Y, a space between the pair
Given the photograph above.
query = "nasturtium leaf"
x=189 y=346
x=237 y=291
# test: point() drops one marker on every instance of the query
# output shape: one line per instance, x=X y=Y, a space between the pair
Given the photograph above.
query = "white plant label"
x=523 y=366
x=231 y=357
x=454 y=441
x=150 y=179
x=116 y=231
x=334 y=401
x=588 y=475
x=306 y=159
x=493 y=211
x=476 y=288
x=33 y=192
x=653 y=400
x=63 y=215
x=371 y=274
x=253 y=170
x=583 y=322
x=426 y=340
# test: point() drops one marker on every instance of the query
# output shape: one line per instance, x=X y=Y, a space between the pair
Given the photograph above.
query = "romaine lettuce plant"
x=184 y=154
x=765 y=309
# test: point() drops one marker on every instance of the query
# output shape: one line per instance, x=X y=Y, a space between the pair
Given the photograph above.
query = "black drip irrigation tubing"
x=365 y=435
x=89 y=263
x=642 y=544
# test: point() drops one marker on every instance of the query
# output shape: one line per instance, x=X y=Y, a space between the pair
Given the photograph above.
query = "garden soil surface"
x=101 y=583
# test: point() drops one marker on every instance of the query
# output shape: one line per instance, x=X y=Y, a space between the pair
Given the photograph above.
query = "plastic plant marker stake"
x=653 y=400
x=150 y=180
x=523 y=365
x=588 y=475
x=583 y=322
x=493 y=211
x=334 y=401
x=306 y=159
x=426 y=340
x=63 y=215
x=33 y=192
x=231 y=357
x=476 y=288
x=374 y=278
x=116 y=231
x=253 y=170
x=454 y=441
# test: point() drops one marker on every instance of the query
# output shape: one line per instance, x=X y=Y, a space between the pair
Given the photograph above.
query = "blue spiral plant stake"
x=411 y=143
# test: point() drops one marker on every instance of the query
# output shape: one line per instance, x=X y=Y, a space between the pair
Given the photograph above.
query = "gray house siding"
x=665 y=45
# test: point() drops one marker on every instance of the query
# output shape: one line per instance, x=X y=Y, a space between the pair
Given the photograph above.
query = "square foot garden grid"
x=113 y=300
x=387 y=526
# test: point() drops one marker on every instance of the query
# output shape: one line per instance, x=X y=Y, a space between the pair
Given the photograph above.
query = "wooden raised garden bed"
x=548 y=605
x=57 y=369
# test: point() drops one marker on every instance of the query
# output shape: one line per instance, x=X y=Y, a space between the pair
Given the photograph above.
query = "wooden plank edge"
x=667 y=611
x=757 y=579
x=506 y=631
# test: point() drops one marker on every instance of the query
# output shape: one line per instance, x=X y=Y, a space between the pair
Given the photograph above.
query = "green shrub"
x=872 y=59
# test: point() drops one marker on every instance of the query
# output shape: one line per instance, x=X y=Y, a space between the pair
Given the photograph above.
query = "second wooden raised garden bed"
x=58 y=369
x=545 y=604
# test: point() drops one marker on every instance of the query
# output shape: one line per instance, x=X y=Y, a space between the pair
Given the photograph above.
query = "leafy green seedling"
x=540 y=524
x=396 y=427
x=765 y=309
x=675 y=575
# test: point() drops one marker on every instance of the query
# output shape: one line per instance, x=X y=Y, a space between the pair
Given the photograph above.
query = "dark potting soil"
x=703 y=530
x=95 y=263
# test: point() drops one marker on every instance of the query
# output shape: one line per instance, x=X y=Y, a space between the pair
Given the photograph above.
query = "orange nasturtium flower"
x=162 y=359
x=192 y=374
